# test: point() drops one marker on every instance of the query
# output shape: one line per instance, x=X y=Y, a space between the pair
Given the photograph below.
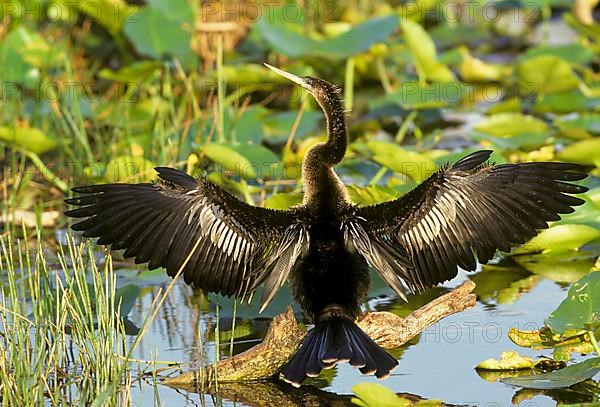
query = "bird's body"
x=325 y=247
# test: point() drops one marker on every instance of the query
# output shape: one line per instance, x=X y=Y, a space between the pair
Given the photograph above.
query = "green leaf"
x=414 y=95
x=289 y=39
x=126 y=297
x=284 y=200
x=582 y=152
x=231 y=160
x=360 y=38
x=23 y=54
x=558 y=379
x=561 y=267
x=547 y=73
x=573 y=53
x=370 y=195
x=580 y=127
x=581 y=309
x=158 y=30
x=511 y=124
x=375 y=395
x=134 y=73
x=277 y=126
x=265 y=163
x=28 y=138
x=510 y=360
x=392 y=156
x=423 y=50
x=110 y=14
x=560 y=238
x=129 y=169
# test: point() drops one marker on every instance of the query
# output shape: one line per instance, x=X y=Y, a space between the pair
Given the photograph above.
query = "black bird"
x=459 y=216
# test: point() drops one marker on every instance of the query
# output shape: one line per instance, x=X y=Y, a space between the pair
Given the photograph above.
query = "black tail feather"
x=333 y=341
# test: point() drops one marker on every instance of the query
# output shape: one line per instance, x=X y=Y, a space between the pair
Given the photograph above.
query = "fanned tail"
x=337 y=340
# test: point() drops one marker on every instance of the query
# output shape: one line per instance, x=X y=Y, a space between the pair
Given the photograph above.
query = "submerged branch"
x=264 y=360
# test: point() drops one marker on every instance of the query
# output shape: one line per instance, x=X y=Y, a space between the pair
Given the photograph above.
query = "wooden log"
x=264 y=360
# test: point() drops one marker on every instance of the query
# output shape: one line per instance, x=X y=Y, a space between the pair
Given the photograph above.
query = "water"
x=439 y=364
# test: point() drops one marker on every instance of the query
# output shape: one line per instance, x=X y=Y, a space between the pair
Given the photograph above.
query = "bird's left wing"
x=460 y=215
x=223 y=244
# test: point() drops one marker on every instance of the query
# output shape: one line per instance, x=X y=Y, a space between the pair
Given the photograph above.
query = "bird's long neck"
x=321 y=184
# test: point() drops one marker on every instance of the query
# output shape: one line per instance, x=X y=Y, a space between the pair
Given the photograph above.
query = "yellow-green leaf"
x=547 y=73
x=582 y=152
x=416 y=166
x=129 y=169
x=28 y=138
x=560 y=238
x=508 y=361
x=511 y=124
x=423 y=51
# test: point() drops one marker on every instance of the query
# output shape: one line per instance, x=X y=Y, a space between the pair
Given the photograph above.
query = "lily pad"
x=548 y=73
x=508 y=361
x=560 y=238
x=558 y=379
x=374 y=394
x=582 y=152
x=416 y=166
x=511 y=124
x=581 y=308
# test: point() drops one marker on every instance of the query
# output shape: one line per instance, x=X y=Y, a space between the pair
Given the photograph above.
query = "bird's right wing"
x=223 y=244
x=460 y=215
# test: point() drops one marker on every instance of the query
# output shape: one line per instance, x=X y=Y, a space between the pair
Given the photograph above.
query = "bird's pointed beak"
x=294 y=78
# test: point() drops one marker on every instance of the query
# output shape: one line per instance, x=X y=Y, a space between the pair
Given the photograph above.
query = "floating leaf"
x=573 y=53
x=508 y=361
x=581 y=308
x=548 y=73
x=27 y=138
x=561 y=267
x=511 y=124
x=558 y=379
x=375 y=395
x=582 y=126
x=125 y=298
x=414 y=95
x=560 y=238
x=390 y=155
x=582 y=152
x=423 y=50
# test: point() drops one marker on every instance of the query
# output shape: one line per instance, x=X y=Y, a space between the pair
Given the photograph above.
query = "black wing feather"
x=235 y=244
x=460 y=215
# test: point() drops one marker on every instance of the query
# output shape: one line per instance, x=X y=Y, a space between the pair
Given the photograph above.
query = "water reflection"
x=280 y=394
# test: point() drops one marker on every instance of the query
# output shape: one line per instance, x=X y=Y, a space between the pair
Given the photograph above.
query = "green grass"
x=61 y=338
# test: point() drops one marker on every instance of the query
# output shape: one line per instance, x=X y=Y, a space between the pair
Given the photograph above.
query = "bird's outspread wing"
x=460 y=215
x=224 y=244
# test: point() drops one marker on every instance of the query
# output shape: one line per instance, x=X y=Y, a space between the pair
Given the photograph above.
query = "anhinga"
x=459 y=216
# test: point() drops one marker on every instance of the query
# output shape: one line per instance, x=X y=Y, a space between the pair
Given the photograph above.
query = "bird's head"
x=324 y=92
